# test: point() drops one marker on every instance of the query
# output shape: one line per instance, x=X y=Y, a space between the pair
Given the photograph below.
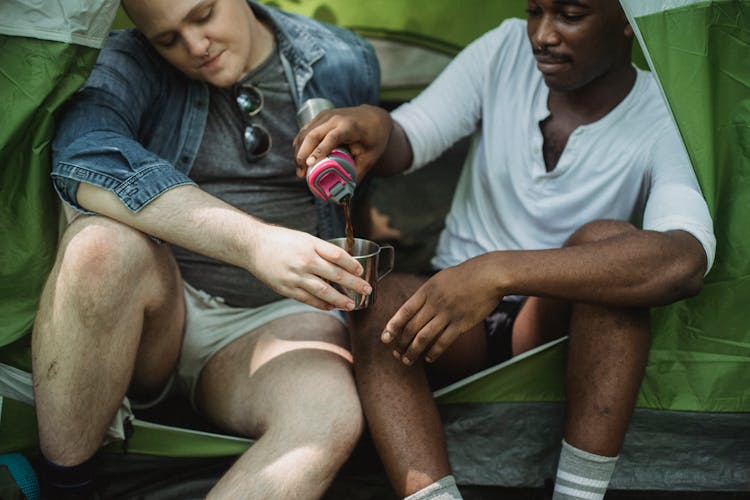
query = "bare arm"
x=633 y=269
x=293 y=263
x=376 y=142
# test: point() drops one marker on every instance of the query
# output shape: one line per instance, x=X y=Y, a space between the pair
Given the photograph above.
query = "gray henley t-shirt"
x=266 y=188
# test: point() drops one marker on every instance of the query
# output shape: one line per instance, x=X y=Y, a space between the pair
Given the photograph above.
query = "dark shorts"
x=499 y=330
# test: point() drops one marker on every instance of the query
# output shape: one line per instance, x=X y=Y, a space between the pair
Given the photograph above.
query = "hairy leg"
x=110 y=312
x=288 y=384
x=401 y=414
x=607 y=356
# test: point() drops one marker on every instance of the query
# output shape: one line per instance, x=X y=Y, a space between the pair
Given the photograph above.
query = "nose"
x=545 y=33
x=196 y=43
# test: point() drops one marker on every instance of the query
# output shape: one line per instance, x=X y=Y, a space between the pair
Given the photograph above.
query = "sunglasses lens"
x=249 y=100
x=256 y=140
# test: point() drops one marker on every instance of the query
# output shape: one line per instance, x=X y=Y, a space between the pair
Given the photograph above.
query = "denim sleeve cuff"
x=135 y=191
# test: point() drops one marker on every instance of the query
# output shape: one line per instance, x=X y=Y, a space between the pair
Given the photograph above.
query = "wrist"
x=397 y=154
x=495 y=268
x=246 y=247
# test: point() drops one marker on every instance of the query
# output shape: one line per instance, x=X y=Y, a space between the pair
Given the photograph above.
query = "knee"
x=332 y=429
x=341 y=422
x=344 y=431
x=599 y=230
x=368 y=324
x=102 y=253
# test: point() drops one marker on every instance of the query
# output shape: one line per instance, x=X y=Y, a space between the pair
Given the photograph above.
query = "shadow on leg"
x=289 y=385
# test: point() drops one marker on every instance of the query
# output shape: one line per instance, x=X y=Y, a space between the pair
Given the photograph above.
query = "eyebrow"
x=576 y=3
x=198 y=6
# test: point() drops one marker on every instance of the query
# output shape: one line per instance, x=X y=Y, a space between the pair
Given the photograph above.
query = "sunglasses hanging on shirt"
x=255 y=138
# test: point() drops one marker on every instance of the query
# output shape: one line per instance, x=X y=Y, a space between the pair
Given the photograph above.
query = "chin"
x=222 y=82
x=558 y=84
x=223 y=78
x=225 y=75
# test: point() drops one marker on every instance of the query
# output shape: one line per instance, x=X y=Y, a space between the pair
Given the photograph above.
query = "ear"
x=627 y=28
x=628 y=31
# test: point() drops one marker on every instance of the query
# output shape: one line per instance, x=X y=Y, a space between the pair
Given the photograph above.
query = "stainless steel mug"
x=377 y=262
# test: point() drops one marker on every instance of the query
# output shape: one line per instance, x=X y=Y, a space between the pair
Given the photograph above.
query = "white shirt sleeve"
x=451 y=107
x=675 y=200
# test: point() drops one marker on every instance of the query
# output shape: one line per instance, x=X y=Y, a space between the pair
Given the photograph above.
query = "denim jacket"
x=136 y=125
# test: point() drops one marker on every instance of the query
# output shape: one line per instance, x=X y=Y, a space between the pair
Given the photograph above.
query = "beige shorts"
x=211 y=325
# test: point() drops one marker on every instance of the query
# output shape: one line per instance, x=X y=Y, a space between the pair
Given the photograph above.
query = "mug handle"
x=390 y=259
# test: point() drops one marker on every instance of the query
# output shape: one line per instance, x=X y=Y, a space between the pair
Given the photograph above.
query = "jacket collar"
x=297 y=38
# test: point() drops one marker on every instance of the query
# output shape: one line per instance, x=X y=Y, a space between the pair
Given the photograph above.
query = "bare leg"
x=290 y=385
x=607 y=357
x=400 y=411
x=111 y=311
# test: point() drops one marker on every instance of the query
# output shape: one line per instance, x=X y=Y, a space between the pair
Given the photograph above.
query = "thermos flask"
x=334 y=177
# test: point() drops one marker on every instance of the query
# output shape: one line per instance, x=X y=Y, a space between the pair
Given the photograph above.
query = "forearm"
x=185 y=216
x=636 y=269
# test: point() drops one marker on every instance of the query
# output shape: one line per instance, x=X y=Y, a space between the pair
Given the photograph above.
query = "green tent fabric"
x=700 y=53
x=36 y=77
x=46 y=52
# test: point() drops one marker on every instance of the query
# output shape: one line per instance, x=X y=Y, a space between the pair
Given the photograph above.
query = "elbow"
x=687 y=279
x=687 y=266
x=668 y=290
x=691 y=287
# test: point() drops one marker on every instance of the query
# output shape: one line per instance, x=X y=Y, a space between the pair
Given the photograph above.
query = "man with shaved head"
x=195 y=260
x=572 y=146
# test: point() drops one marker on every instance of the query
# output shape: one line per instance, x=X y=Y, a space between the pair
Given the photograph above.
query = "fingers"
x=327 y=275
x=318 y=293
x=450 y=333
x=427 y=336
x=412 y=329
x=431 y=340
x=364 y=129
x=312 y=300
x=339 y=256
x=418 y=329
x=395 y=326
x=421 y=323
x=303 y=267
x=316 y=140
x=335 y=265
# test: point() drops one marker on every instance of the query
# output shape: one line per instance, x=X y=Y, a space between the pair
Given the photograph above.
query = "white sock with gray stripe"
x=582 y=475
x=444 y=489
